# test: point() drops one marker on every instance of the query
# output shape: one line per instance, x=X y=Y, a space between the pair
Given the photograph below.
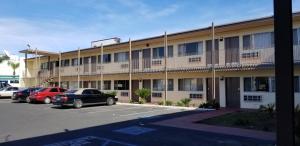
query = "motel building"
x=241 y=65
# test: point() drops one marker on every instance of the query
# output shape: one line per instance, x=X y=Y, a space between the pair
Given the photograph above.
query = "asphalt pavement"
x=25 y=124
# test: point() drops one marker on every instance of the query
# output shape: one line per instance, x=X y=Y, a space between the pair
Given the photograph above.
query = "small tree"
x=143 y=94
x=14 y=66
x=3 y=58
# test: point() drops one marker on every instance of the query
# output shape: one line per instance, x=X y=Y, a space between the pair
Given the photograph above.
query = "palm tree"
x=14 y=66
x=2 y=58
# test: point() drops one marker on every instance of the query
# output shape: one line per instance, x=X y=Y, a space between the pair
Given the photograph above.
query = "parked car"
x=8 y=91
x=3 y=85
x=21 y=95
x=44 y=95
x=84 y=96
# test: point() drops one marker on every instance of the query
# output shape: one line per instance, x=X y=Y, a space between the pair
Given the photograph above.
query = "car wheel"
x=77 y=103
x=110 y=101
x=28 y=100
x=19 y=100
x=47 y=100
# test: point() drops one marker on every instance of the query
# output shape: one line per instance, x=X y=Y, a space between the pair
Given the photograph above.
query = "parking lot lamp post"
x=166 y=73
x=101 y=68
x=59 y=67
x=78 y=68
x=130 y=94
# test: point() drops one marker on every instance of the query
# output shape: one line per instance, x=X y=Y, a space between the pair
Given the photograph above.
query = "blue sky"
x=62 y=25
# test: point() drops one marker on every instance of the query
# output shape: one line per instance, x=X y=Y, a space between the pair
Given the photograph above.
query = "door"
x=147 y=85
x=146 y=58
x=93 y=63
x=88 y=96
x=232 y=50
x=233 y=92
x=135 y=86
x=209 y=89
x=135 y=59
x=53 y=92
x=86 y=64
x=208 y=45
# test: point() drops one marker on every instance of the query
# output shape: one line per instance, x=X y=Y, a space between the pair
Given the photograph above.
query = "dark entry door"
x=209 y=89
x=209 y=52
x=146 y=58
x=147 y=85
x=135 y=86
x=233 y=92
x=135 y=59
x=232 y=50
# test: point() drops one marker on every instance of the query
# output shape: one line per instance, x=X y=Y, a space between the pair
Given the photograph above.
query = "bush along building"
x=236 y=68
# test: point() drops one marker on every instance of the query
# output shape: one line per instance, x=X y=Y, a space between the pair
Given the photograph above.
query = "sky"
x=63 y=25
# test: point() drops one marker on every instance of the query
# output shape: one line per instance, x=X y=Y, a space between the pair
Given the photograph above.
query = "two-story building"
x=243 y=69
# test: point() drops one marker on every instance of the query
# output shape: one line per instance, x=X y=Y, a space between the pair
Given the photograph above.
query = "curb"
x=171 y=107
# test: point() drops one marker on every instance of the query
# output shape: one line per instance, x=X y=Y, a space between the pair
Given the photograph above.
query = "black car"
x=21 y=95
x=84 y=96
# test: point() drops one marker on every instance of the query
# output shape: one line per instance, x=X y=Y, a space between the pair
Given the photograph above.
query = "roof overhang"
x=39 y=52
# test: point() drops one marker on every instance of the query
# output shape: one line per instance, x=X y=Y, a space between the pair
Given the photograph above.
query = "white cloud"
x=52 y=35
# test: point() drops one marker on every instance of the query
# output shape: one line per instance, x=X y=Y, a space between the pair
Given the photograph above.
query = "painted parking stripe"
x=122 y=109
x=131 y=114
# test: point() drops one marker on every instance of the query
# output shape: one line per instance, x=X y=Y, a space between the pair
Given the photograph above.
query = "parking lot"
x=40 y=124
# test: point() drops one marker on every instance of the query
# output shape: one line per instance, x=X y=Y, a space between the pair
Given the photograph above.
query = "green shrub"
x=269 y=109
x=113 y=93
x=161 y=103
x=184 y=102
x=143 y=94
x=169 y=103
x=141 y=101
x=210 y=105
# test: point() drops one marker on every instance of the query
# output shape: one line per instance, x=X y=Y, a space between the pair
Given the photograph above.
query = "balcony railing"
x=231 y=59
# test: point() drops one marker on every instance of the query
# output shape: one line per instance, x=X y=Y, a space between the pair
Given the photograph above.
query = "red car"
x=44 y=95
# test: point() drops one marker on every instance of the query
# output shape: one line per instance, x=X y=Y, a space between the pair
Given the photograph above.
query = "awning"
x=39 y=52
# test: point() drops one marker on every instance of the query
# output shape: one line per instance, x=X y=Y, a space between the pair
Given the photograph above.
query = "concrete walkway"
x=189 y=122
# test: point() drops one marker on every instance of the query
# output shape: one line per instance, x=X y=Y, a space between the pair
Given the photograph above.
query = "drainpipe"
x=213 y=61
x=36 y=66
x=59 y=64
x=101 y=68
x=78 y=68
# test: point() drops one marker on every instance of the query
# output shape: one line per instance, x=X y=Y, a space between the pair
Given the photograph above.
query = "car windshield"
x=25 y=90
x=71 y=91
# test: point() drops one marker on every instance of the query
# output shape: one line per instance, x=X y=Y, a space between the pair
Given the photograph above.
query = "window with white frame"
x=158 y=53
x=296 y=36
x=121 y=57
x=189 y=49
x=190 y=84
x=258 y=41
x=254 y=84
x=74 y=62
x=170 y=84
x=106 y=58
x=121 y=84
x=107 y=85
x=158 y=85
x=65 y=62
x=44 y=65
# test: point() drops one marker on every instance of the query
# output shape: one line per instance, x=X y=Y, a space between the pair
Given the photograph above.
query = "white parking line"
x=144 y=112
x=92 y=112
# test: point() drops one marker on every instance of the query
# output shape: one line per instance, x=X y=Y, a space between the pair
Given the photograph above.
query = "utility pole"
x=166 y=73
x=78 y=68
x=37 y=71
x=59 y=67
x=213 y=61
x=130 y=94
x=101 y=68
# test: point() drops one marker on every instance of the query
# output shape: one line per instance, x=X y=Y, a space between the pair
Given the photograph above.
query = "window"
x=158 y=85
x=121 y=85
x=258 y=41
x=106 y=58
x=189 y=49
x=53 y=90
x=106 y=85
x=87 y=91
x=121 y=57
x=74 y=61
x=273 y=87
x=190 y=84
x=65 y=62
x=170 y=51
x=93 y=84
x=252 y=98
x=44 y=65
x=256 y=84
x=170 y=84
x=158 y=53
x=296 y=36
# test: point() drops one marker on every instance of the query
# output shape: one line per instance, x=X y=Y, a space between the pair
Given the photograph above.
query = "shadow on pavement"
x=138 y=131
